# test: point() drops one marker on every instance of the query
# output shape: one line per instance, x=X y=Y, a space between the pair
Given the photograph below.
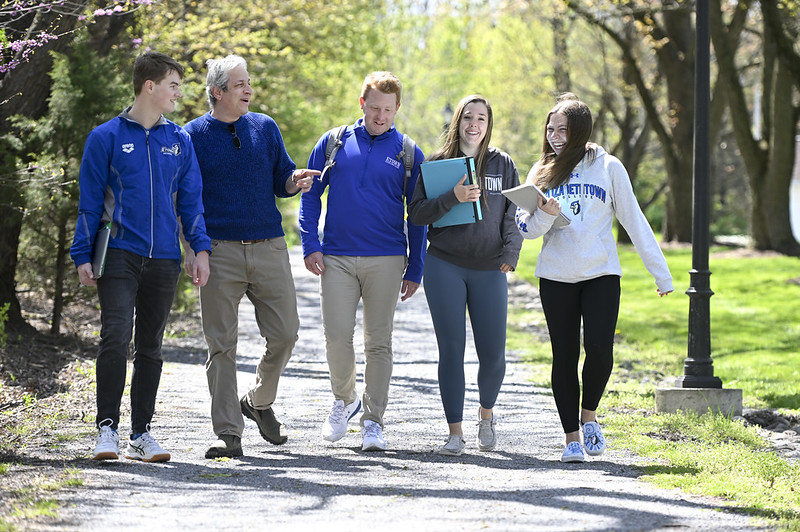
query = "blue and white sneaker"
x=335 y=427
x=593 y=439
x=573 y=452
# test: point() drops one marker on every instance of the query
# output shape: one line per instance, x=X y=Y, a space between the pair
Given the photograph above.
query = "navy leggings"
x=596 y=302
x=452 y=290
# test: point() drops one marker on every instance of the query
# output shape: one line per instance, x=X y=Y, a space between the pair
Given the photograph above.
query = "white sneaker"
x=593 y=439
x=372 y=437
x=335 y=427
x=107 y=447
x=146 y=449
x=573 y=453
x=454 y=446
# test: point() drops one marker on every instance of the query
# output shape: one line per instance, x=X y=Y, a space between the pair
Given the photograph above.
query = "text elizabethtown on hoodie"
x=586 y=249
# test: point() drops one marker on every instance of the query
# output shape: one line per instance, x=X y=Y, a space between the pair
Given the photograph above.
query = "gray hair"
x=219 y=74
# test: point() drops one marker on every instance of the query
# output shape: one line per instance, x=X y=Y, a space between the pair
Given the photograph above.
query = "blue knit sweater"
x=240 y=184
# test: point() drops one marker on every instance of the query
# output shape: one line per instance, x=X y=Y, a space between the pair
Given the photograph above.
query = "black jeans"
x=132 y=282
x=595 y=303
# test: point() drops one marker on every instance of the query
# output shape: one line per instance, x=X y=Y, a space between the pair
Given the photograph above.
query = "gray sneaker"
x=270 y=428
x=487 y=436
x=228 y=445
x=454 y=446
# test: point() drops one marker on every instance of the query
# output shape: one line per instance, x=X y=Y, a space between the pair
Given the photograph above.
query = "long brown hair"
x=554 y=170
x=452 y=138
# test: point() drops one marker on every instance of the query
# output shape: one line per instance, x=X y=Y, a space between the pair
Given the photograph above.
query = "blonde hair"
x=384 y=81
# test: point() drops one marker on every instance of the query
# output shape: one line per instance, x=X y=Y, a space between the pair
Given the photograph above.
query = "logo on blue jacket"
x=174 y=150
x=127 y=148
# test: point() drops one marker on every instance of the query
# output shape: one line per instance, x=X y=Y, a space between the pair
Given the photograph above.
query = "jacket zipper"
x=150 y=167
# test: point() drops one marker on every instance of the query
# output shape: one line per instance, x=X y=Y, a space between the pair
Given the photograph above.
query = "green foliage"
x=306 y=59
x=86 y=91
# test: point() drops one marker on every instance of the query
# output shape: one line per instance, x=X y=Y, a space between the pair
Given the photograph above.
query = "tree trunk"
x=61 y=264
x=773 y=207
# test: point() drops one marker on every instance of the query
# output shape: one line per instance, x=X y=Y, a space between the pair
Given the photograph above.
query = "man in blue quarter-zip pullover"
x=368 y=253
x=245 y=166
x=139 y=173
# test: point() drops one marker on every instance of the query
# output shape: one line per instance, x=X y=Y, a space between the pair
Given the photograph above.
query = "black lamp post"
x=447 y=116
x=698 y=368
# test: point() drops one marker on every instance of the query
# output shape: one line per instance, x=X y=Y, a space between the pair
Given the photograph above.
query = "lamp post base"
x=700 y=400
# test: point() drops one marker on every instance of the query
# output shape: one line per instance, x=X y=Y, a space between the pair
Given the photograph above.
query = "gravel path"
x=312 y=483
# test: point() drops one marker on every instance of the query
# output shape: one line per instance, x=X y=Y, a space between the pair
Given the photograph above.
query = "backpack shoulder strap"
x=332 y=146
x=407 y=156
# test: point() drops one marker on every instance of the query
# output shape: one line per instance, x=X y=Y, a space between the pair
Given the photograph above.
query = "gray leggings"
x=452 y=290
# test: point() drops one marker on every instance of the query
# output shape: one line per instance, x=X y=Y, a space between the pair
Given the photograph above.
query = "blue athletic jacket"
x=365 y=204
x=143 y=180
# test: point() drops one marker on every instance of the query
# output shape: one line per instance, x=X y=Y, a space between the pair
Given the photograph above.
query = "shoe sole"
x=444 y=452
x=373 y=447
x=106 y=456
x=156 y=458
x=224 y=454
x=334 y=437
x=280 y=440
x=572 y=459
x=487 y=447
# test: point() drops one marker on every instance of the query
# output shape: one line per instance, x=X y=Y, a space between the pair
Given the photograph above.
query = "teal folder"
x=441 y=176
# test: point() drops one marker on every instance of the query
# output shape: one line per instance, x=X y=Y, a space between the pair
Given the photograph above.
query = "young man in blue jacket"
x=368 y=252
x=138 y=172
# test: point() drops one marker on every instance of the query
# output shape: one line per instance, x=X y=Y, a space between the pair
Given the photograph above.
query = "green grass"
x=755 y=334
x=755 y=329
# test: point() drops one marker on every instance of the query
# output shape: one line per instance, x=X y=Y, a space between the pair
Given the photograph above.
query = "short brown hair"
x=386 y=82
x=154 y=66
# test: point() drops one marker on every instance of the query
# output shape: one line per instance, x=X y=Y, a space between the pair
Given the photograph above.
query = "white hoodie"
x=586 y=249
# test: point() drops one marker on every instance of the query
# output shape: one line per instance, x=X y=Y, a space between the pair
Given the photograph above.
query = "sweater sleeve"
x=92 y=185
x=416 y=232
x=284 y=165
x=627 y=211
x=190 y=200
x=512 y=237
x=311 y=201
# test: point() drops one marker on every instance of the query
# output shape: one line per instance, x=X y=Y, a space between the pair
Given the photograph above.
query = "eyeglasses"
x=236 y=142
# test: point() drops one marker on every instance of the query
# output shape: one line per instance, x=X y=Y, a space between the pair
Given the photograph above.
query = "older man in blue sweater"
x=245 y=166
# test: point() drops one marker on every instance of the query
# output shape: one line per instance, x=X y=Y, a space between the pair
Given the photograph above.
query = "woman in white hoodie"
x=578 y=267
